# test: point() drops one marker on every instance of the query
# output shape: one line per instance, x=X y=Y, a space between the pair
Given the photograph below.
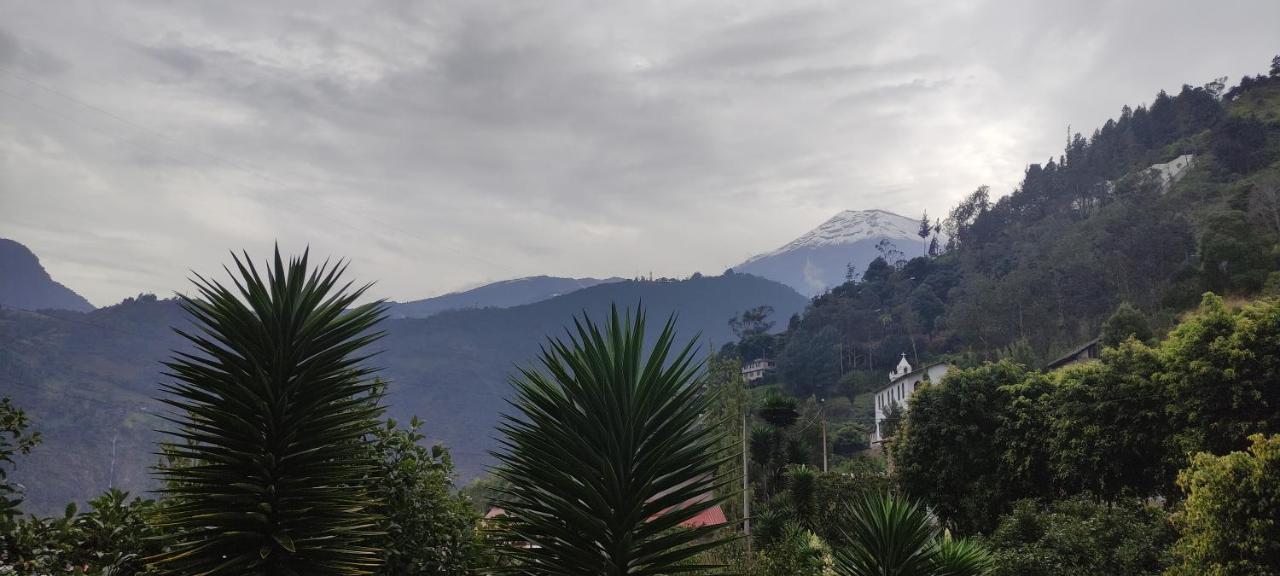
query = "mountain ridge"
x=89 y=379
x=500 y=294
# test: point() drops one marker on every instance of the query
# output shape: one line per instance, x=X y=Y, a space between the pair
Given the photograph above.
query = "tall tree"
x=272 y=409
x=609 y=455
x=926 y=228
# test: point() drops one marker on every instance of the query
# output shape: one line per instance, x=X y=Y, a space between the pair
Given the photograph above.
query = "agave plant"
x=609 y=455
x=883 y=534
x=271 y=410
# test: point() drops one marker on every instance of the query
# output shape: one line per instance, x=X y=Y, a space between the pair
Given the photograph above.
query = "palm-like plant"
x=272 y=407
x=882 y=534
x=609 y=455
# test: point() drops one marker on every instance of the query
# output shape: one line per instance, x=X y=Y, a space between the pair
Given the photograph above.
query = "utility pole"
x=822 y=415
x=746 y=491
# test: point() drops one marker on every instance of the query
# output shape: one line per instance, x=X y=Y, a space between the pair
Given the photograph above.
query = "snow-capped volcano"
x=821 y=258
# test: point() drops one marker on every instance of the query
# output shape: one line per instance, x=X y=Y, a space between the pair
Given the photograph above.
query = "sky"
x=440 y=145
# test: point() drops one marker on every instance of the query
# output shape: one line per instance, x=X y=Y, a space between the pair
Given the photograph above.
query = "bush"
x=114 y=537
x=1080 y=537
x=1230 y=522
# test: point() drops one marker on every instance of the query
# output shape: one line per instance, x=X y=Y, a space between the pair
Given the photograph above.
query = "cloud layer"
x=443 y=144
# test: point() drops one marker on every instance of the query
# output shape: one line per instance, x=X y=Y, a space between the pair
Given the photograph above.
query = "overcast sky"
x=442 y=144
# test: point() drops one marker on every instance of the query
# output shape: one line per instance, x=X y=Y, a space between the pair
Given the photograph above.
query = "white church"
x=903 y=381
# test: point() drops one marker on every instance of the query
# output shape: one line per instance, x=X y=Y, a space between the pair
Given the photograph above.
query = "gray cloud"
x=442 y=144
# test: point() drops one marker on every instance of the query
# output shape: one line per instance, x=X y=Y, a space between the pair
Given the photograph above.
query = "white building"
x=903 y=381
x=757 y=369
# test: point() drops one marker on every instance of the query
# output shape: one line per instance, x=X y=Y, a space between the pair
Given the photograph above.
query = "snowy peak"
x=841 y=248
x=853 y=226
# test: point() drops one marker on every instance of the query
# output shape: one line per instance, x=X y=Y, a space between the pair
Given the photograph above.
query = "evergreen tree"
x=926 y=228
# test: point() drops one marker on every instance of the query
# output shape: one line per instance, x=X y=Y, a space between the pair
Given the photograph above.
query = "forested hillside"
x=89 y=380
x=1037 y=271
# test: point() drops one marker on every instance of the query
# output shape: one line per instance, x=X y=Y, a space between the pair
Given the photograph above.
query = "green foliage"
x=970 y=446
x=112 y=538
x=752 y=331
x=810 y=361
x=15 y=439
x=427 y=530
x=885 y=534
x=1230 y=522
x=1081 y=537
x=273 y=409
x=796 y=552
x=1222 y=376
x=802 y=496
x=1240 y=144
x=1115 y=428
x=1109 y=425
x=1127 y=321
x=834 y=490
x=779 y=411
x=849 y=439
x=729 y=410
x=609 y=455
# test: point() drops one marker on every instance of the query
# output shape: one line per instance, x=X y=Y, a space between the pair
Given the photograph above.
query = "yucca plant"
x=883 y=534
x=608 y=455
x=271 y=409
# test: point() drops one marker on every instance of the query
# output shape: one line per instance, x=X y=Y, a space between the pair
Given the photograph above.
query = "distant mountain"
x=24 y=284
x=504 y=294
x=88 y=380
x=820 y=259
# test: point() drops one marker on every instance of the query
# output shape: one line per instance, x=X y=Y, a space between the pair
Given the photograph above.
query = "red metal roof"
x=710 y=517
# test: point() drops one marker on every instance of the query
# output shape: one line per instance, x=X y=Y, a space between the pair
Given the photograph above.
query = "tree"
x=779 y=411
x=1109 y=425
x=753 y=322
x=15 y=439
x=609 y=454
x=1125 y=322
x=1221 y=377
x=1264 y=204
x=926 y=229
x=1275 y=67
x=1240 y=144
x=966 y=213
x=272 y=409
x=885 y=534
x=752 y=329
x=1080 y=536
x=427 y=529
x=1228 y=525
x=971 y=447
